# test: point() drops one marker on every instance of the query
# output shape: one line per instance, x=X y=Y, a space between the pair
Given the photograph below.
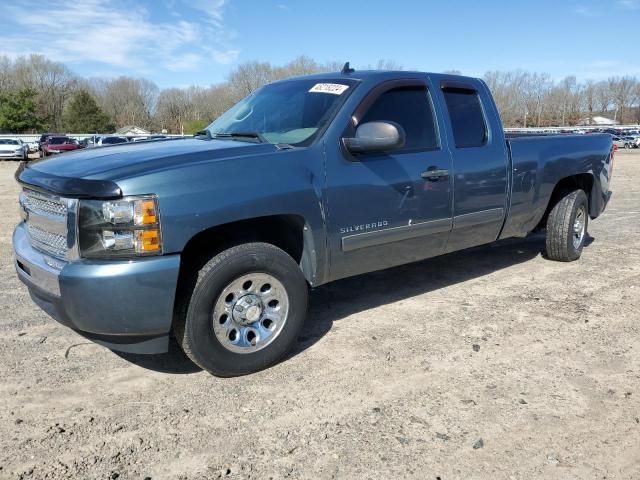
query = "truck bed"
x=540 y=162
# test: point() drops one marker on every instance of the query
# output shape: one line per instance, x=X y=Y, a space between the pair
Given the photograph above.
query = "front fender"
x=196 y=197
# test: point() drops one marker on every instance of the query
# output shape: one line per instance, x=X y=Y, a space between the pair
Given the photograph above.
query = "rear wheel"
x=567 y=227
x=245 y=310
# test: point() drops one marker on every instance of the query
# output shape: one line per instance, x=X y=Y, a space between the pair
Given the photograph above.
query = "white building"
x=132 y=131
x=601 y=121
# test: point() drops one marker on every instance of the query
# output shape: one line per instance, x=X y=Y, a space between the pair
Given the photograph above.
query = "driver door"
x=385 y=209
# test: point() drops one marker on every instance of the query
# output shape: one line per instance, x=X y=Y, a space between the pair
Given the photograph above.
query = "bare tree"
x=128 y=101
x=174 y=109
x=590 y=98
x=622 y=92
x=603 y=97
x=523 y=98
x=250 y=76
x=53 y=82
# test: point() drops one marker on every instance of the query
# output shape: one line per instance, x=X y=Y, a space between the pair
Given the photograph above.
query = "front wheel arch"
x=195 y=323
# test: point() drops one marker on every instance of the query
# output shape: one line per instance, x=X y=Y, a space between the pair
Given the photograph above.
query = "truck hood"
x=94 y=172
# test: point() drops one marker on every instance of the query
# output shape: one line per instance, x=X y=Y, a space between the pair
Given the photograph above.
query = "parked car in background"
x=150 y=137
x=104 y=140
x=13 y=148
x=32 y=147
x=44 y=138
x=89 y=141
x=624 y=142
x=60 y=145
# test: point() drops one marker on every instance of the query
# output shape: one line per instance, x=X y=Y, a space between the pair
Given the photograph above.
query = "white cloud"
x=225 y=57
x=212 y=9
x=586 y=11
x=118 y=34
x=630 y=4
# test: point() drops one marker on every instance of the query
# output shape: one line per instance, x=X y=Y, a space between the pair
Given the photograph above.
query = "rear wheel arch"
x=581 y=181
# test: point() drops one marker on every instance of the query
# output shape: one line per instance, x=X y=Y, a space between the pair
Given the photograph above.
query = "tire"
x=208 y=315
x=567 y=227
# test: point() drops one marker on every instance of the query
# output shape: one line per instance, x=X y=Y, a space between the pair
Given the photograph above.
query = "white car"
x=625 y=142
x=13 y=148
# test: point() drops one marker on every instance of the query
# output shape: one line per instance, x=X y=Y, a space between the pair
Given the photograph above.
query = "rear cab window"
x=466 y=115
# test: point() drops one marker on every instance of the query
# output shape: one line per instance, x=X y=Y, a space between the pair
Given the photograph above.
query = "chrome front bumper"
x=35 y=268
x=125 y=305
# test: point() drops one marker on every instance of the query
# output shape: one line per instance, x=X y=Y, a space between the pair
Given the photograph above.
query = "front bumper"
x=123 y=305
x=12 y=155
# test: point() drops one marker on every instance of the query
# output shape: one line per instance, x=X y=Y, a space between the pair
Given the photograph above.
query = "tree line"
x=37 y=94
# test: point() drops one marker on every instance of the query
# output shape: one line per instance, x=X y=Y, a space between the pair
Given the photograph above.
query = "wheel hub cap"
x=247 y=309
x=250 y=312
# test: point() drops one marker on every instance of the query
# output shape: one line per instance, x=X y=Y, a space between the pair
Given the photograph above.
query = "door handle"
x=433 y=174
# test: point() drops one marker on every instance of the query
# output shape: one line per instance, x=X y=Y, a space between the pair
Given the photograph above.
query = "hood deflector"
x=65 y=186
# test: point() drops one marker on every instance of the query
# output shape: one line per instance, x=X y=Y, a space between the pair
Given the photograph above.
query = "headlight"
x=119 y=228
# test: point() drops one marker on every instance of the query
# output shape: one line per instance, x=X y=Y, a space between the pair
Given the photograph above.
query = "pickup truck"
x=216 y=239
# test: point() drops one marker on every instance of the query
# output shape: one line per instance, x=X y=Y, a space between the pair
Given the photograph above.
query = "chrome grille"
x=45 y=206
x=47 y=219
x=51 y=243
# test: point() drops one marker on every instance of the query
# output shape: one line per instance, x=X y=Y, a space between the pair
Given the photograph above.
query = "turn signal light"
x=146 y=212
x=148 y=240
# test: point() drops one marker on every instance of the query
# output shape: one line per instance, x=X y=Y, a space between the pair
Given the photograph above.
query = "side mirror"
x=376 y=137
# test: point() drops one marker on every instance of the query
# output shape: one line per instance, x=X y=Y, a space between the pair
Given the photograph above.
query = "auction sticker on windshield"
x=334 y=88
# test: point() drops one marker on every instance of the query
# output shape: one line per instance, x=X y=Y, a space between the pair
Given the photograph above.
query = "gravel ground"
x=490 y=363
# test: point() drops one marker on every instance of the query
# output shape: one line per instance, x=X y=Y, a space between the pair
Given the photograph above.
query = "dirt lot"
x=491 y=363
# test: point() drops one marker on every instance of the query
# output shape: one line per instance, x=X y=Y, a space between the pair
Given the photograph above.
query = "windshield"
x=6 y=141
x=292 y=112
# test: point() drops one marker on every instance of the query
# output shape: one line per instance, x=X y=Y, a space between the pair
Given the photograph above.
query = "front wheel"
x=567 y=227
x=245 y=310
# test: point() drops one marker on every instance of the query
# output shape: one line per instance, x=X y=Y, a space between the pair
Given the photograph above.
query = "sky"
x=198 y=42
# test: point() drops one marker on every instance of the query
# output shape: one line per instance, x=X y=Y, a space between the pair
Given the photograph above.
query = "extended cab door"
x=480 y=163
x=383 y=208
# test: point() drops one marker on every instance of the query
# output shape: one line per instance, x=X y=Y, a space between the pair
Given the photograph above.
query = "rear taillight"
x=614 y=149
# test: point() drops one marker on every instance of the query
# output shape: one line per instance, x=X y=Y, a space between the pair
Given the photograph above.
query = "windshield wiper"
x=232 y=135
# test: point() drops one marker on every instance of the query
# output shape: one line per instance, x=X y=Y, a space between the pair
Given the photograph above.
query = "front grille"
x=40 y=205
x=46 y=220
x=48 y=242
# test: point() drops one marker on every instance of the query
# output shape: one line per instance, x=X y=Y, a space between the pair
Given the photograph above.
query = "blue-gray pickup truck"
x=216 y=239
